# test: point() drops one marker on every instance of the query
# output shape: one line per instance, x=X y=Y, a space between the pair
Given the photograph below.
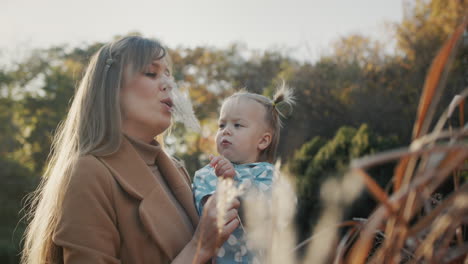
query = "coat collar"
x=148 y=152
x=157 y=213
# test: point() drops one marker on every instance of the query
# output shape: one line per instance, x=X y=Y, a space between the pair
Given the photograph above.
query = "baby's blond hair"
x=283 y=95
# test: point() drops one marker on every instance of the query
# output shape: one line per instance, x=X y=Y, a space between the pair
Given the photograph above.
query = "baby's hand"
x=223 y=167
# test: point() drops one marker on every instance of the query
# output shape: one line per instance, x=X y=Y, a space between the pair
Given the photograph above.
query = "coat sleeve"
x=87 y=228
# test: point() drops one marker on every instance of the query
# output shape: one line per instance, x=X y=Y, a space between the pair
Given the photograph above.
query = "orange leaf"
x=400 y=172
x=433 y=81
x=375 y=189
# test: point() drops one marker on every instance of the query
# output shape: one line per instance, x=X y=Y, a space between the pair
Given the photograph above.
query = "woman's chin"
x=161 y=127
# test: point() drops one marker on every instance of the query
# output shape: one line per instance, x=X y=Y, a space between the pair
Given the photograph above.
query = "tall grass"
x=414 y=230
x=410 y=223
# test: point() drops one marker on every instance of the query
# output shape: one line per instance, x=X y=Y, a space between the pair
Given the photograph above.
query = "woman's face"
x=145 y=102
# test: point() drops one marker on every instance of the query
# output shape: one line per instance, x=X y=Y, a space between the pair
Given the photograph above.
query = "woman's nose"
x=166 y=87
x=167 y=84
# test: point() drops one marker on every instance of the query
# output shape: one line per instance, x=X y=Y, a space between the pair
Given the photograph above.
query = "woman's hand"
x=223 y=167
x=207 y=238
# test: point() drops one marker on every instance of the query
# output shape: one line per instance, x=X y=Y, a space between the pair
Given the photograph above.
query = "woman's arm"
x=207 y=239
x=86 y=230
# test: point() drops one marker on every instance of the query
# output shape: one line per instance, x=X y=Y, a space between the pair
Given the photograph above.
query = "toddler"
x=247 y=139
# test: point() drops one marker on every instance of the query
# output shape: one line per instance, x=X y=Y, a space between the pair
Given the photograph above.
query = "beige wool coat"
x=115 y=211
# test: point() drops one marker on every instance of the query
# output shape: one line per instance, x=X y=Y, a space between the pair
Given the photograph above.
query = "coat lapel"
x=159 y=216
x=176 y=178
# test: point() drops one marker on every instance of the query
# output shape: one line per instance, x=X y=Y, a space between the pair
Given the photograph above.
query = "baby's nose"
x=226 y=131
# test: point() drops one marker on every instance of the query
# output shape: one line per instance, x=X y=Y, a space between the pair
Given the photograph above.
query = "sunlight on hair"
x=284 y=99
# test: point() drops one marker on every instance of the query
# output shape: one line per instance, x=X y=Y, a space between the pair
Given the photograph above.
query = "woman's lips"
x=167 y=103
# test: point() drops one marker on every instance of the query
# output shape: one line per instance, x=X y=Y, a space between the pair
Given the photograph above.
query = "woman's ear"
x=265 y=141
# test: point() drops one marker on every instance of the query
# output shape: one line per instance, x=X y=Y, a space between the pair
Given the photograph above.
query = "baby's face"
x=241 y=127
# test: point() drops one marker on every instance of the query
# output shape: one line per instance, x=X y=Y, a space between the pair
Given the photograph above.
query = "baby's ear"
x=265 y=141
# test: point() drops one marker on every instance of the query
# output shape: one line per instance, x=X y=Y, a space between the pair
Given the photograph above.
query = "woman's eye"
x=151 y=74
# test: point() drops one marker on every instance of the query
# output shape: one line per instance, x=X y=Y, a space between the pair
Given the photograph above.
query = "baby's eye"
x=151 y=74
x=237 y=125
x=221 y=125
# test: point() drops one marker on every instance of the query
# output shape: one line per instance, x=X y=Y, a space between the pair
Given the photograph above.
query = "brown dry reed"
x=408 y=225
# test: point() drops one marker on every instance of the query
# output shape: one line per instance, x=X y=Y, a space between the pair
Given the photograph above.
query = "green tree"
x=17 y=182
x=317 y=161
x=17 y=179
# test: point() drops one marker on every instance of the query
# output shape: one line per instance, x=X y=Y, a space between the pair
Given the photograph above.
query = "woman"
x=110 y=193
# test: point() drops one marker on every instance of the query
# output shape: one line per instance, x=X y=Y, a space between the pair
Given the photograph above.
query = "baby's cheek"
x=218 y=140
x=219 y=149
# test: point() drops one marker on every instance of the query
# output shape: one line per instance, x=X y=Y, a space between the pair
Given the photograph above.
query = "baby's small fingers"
x=229 y=173
x=226 y=168
x=214 y=161
x=222 y=161
x=218 y=170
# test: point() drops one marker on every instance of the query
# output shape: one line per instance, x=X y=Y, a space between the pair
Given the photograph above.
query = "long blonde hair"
x=92 y=126
x=283 y=95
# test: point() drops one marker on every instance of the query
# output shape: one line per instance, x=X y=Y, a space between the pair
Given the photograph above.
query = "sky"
x=302 y=29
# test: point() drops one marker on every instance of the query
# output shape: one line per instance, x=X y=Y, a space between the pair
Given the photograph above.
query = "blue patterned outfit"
x=257 y=175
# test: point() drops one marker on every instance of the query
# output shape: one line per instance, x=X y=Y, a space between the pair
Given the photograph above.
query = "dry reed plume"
x=182 y=109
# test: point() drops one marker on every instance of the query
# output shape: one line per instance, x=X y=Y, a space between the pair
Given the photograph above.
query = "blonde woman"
x=110 y=193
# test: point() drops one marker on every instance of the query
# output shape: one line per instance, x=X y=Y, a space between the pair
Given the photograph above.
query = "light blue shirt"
x=257 y=175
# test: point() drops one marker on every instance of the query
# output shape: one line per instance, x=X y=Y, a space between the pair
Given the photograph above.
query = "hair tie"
x=274 y=104
x=109 y=62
